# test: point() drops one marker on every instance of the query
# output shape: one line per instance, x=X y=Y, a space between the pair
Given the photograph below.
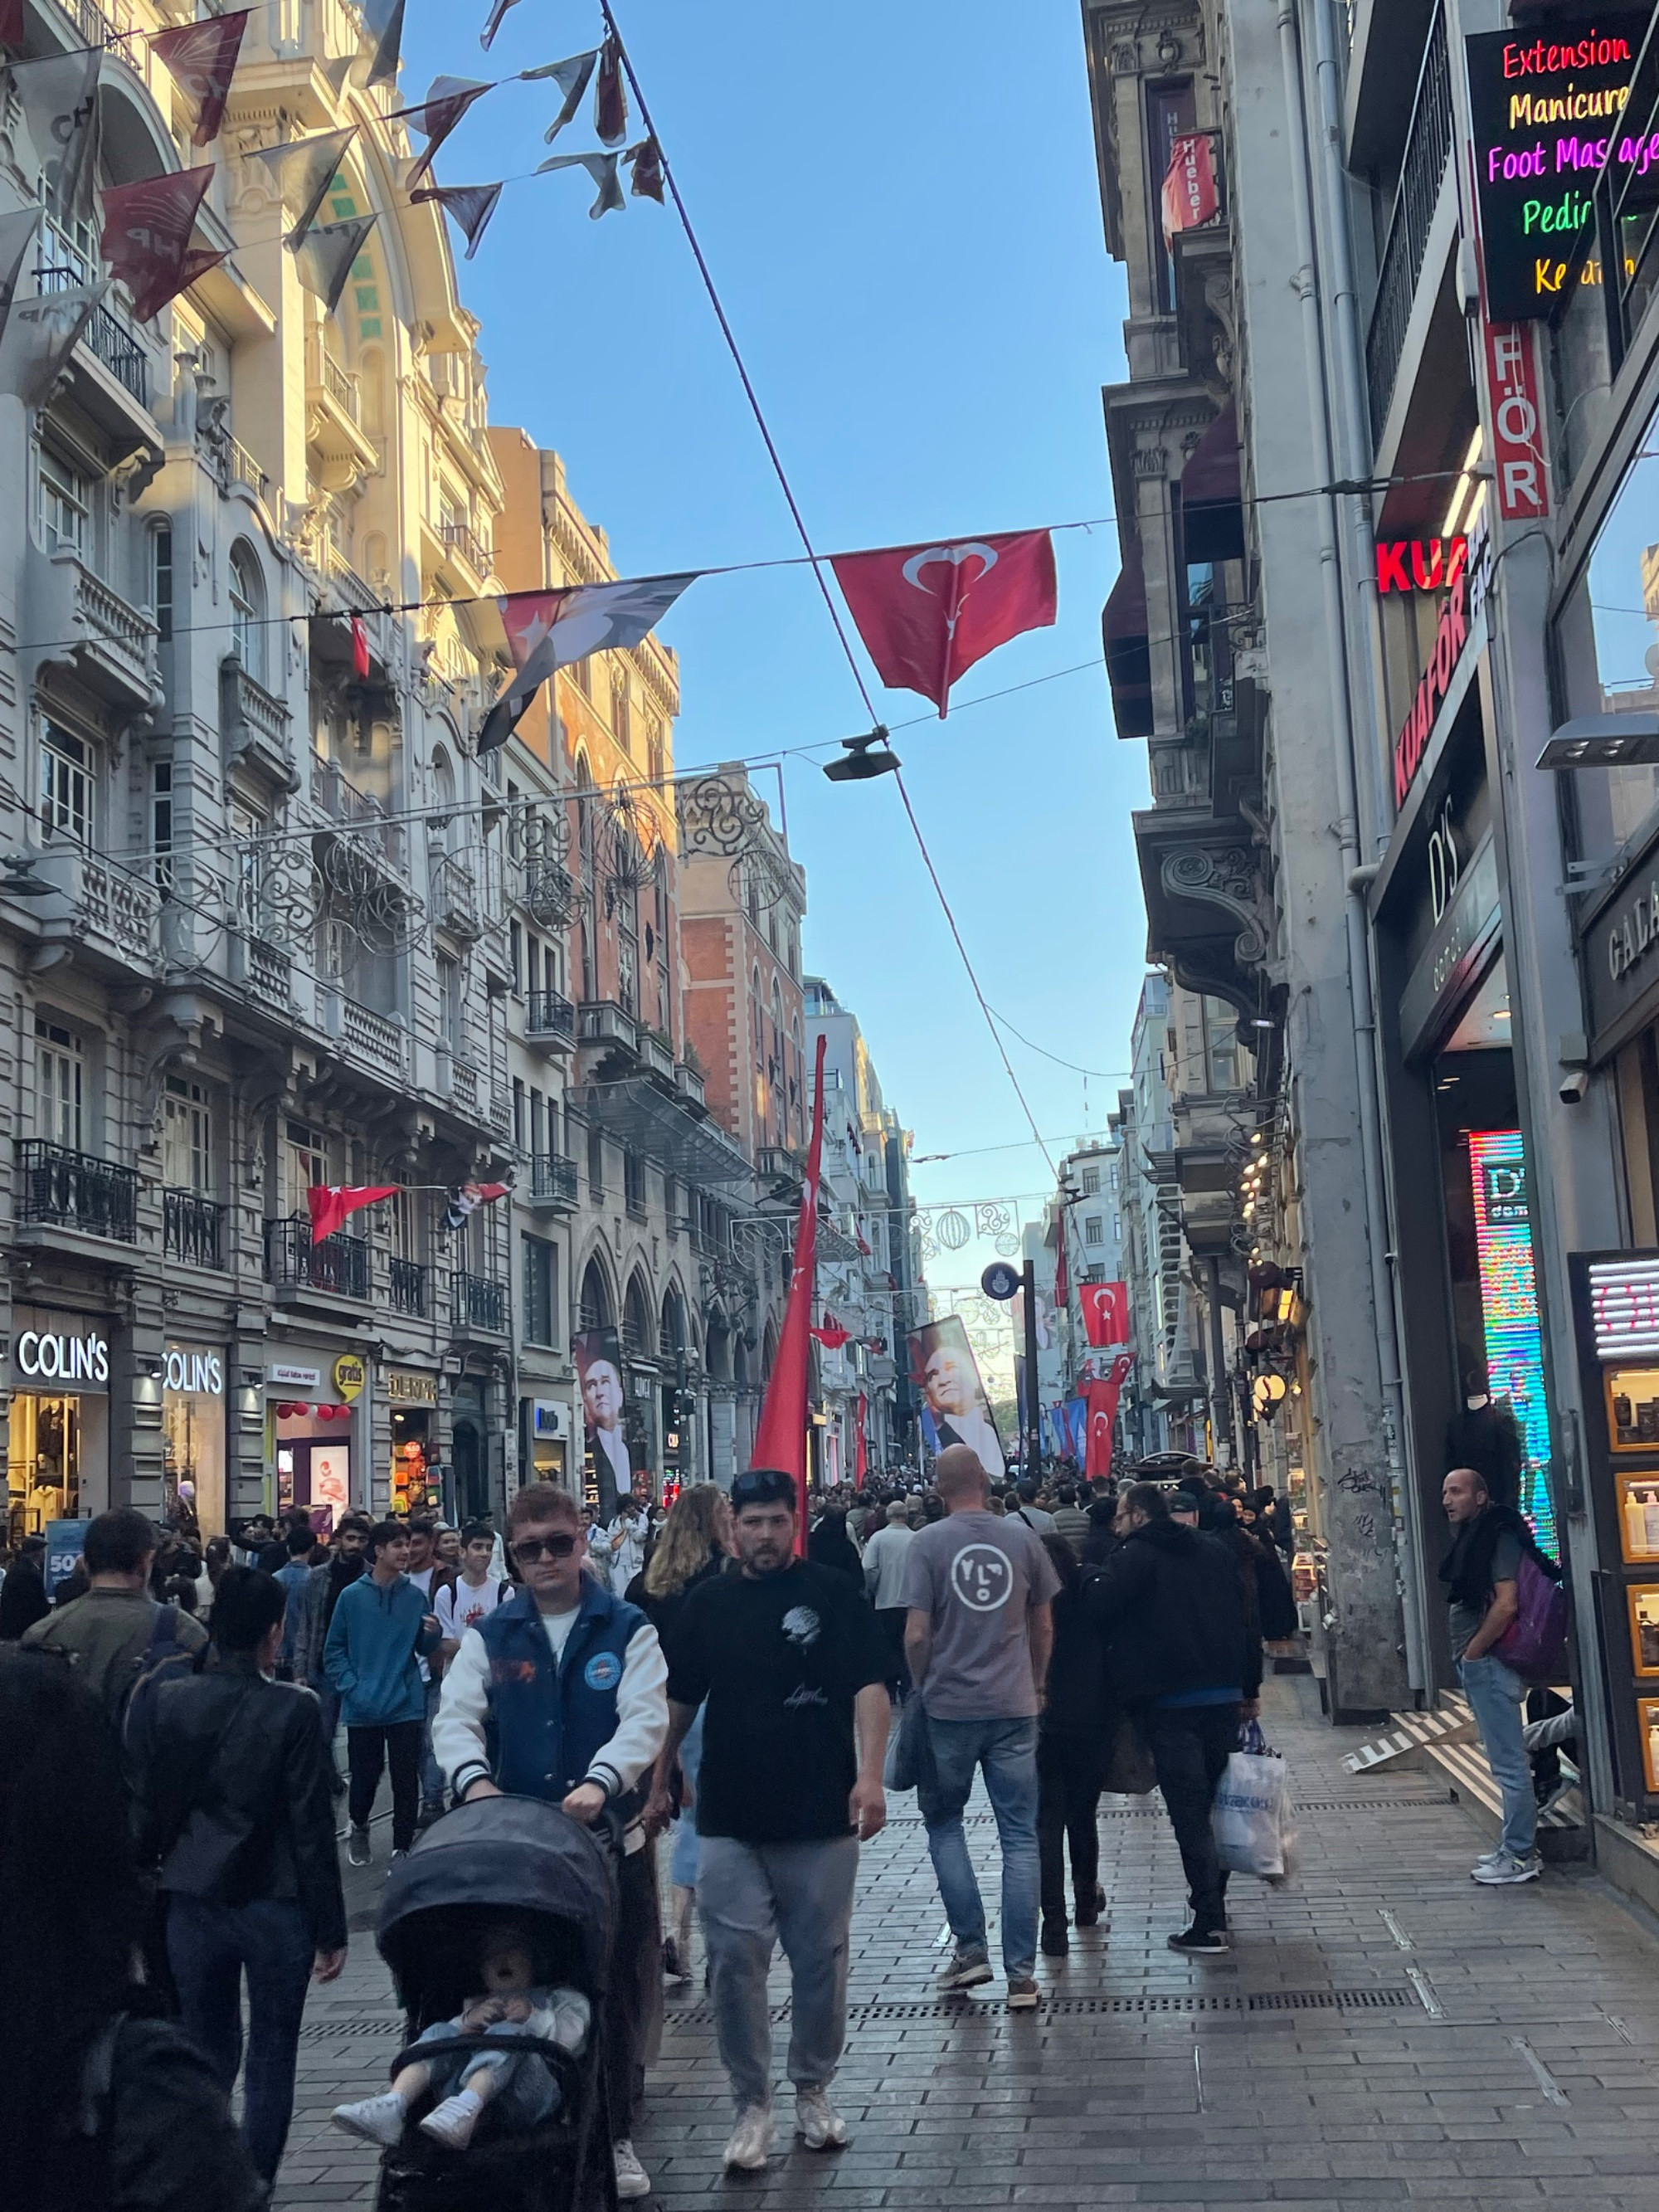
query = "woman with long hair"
x=98 y=2104
x=695 y=1542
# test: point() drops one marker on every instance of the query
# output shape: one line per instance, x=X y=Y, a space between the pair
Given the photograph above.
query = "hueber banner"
x=1192 y=192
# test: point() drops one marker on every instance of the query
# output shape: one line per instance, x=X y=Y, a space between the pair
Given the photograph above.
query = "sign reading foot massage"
x=1546 y=103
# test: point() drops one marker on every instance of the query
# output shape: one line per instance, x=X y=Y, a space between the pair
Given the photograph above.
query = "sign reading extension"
x=1548 y=108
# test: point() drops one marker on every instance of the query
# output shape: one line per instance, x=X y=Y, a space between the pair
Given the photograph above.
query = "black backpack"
x=129 y=1690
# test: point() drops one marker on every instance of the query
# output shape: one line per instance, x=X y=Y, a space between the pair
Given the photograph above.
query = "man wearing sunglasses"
x=560 y=1693
x=788 y=1656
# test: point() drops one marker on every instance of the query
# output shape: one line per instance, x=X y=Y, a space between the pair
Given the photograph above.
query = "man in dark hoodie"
x=1181 y=1651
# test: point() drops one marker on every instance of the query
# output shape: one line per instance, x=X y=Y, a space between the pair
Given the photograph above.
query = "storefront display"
x=416 y=1480
x=1616 y=1312
x=309 y=1439
x=57 y=1450
x=193 y=1438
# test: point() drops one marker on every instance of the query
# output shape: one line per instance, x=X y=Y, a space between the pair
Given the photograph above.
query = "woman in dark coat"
x=829 y=1545
x=1073 y=1737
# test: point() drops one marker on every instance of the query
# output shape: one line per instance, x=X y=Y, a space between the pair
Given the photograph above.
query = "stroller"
x=501 y=1855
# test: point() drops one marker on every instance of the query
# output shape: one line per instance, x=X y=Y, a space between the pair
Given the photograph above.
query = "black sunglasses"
x=531 y=1548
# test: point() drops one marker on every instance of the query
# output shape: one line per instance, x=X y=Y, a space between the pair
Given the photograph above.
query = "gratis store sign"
x=1547 y=105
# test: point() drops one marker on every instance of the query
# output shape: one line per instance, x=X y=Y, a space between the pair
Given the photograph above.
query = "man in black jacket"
x=231 y=1801
x=1181 y=1651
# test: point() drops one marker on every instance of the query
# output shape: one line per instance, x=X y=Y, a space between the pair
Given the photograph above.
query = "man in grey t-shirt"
x=978 y=1636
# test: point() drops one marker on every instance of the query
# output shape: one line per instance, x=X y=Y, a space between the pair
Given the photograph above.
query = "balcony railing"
x=405 y=1286
x=461 y=537
x=553 y=1180
x=550 y=1019
x=340 y=385
x=339 y=1265
x=241 y=467
x=109 y=340
x=193 y=1229
x=342 y=801
x=76 y=1191
x=477 y=1305
x=1428 y=149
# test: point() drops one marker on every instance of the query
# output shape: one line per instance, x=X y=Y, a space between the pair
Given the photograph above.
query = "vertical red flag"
x=863 y=1465
x=359 y=649
x=202 y=57
x=1063 y=1271
x=1105 y=1313
x=1101 y=1398
x=927 y=613
x=780 y=1438
x=1192 y=194
x=146 y=241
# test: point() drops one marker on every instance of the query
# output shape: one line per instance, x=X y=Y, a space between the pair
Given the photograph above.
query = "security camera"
x=1575 y=1086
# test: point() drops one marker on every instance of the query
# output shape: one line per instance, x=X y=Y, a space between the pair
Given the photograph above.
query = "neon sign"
x=1509 y=1307
x=1546 y=117
x=1420 y=564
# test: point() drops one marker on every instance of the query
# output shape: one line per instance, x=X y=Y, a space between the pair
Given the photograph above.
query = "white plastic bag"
x=1254 y=1820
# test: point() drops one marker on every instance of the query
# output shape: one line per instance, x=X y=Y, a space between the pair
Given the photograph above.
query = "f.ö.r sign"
x=1547 y=107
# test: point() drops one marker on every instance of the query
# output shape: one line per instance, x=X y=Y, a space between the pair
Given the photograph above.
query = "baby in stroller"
x=521 y=2088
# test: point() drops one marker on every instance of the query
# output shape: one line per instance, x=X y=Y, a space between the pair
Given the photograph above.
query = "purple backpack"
x=1535 y=1644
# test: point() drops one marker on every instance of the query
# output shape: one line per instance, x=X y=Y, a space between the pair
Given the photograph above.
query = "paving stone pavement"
x=1384 y=2032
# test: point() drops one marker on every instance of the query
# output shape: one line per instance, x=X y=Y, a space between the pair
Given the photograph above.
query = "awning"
x=1212 y=495
x=648 y=1121
x=1128 y=656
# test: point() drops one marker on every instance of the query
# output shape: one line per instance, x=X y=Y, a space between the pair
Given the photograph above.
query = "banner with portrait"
x=609 y=1473
x=955 y=1409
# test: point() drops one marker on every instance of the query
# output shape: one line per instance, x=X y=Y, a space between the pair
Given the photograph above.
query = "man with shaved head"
x=978 y=1633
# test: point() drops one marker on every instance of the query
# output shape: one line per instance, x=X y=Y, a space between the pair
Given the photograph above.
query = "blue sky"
x=901 y=208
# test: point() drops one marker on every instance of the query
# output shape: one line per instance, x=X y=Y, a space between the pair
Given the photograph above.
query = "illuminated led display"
x=1509 y=1306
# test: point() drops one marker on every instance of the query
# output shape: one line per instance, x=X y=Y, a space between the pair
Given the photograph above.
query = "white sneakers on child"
x=377 y=2119
x=453 y=2122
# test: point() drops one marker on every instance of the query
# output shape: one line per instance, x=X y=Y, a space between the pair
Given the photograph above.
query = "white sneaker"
x=1503 y=1872
x=377 y=2119
x=752 y=2140
x=818 y=2124
x=632 y=2179
x=453 y=2122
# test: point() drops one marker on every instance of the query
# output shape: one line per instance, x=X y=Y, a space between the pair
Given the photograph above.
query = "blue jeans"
x=1496 y=1694
x=688 y=1844
x=1007 y=1751
x=209 y=1947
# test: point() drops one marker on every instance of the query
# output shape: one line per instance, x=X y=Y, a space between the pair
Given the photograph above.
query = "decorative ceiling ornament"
x=1007 y=1247
x=757 y=881
x=623 y=858
x=992 y=1219
x=953 y=1230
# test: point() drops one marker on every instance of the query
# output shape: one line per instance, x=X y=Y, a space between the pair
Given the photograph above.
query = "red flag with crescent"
x=927 y=613
x=1101 y=1397
x=1105 y=1313
x=780 y=1436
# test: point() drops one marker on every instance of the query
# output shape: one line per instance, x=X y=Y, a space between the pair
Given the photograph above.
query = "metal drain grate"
x=881 y=2011
x=325 y=2031
x=1419 y=1803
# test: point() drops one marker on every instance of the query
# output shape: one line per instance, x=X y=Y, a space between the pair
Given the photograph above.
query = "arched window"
x=638 y=1337
x=622 y=713
x=248 y=610
x=665 y=964
x=594 y=1310
x=670 y=1338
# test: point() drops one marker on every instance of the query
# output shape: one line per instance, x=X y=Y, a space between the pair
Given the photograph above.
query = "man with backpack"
x=1491 y=1549
x=117 y=1631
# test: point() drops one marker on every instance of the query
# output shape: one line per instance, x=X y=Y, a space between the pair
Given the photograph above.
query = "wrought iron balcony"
x=553 y=1180
x=1422 y=173
x=405 y=1286
x=193 y=1229
x=477 y=1305
x=460 y=537
x=108 y=340
x=294 y=1262
x=73 y=1190
x=551 y=1020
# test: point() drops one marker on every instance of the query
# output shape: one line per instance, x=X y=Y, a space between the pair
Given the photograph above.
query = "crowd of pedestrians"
x=716 y=1669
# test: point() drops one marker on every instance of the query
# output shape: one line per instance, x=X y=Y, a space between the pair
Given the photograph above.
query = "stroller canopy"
x=516 y=1855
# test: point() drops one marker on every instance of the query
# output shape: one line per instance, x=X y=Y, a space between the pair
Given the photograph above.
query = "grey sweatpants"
x=752 y=1897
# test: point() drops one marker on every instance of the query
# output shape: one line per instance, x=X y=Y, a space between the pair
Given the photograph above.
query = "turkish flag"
x=1100 y=1399
x=330 y=1202
x=927 y=613
x=146 y=238
x=832 y=1335
x=1105 y=1313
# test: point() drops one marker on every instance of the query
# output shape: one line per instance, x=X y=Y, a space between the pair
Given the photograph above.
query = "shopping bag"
x=1129 y=1771
x=909 y=1752
x=1253 y=1820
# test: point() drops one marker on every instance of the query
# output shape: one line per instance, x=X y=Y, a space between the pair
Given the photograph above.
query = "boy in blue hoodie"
x=380 y=1632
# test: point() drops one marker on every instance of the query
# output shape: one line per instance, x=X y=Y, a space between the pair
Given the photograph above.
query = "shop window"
x=541 y=1275
x=69 y=773
x=43 y=1463
x=1607 y=637
x=186 y=1136
x=65 y=504
x=60 y=1084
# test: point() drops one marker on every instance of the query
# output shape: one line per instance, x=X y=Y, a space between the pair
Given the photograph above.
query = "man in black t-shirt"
x=786 y=1654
